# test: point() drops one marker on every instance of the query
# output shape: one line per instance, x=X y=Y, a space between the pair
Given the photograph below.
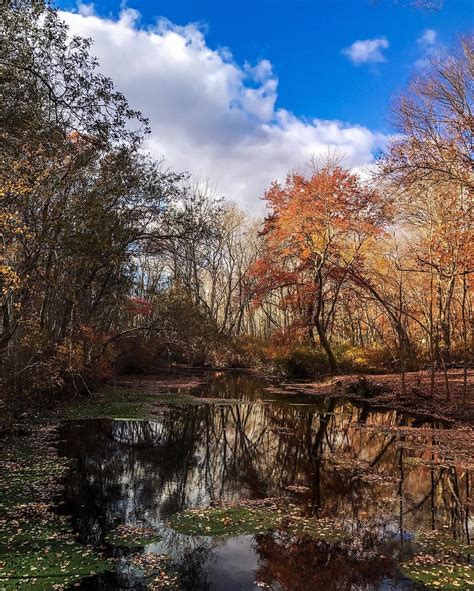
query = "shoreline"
x=381 y=391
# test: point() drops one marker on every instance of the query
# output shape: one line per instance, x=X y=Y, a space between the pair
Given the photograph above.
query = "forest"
x=197 y=397
x=111 y=262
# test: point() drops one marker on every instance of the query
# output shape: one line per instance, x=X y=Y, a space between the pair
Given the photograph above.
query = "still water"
x=335 y=459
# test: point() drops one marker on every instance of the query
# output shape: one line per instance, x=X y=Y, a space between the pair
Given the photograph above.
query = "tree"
x=434 y=118
x=428 y=168
x=316 y=236
x=79 y=198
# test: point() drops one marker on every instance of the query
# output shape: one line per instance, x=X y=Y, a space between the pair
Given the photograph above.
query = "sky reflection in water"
x=330 y=457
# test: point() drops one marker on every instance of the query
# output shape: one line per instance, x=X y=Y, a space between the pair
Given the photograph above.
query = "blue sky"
x=301 y=74
x=303 y=40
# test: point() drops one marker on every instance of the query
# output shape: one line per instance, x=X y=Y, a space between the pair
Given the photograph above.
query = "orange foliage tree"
x=316 y=236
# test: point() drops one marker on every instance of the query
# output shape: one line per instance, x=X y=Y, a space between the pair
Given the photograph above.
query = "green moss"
x=317 y=529
x=38 y=551
x=16 y=490
x=129 y=536
x=439 y=574
x=16 y=532
x=253 y=517
x=230 y=521
x=40 y=565
x=438 y=542
x=119 y=403
x=29 y=472
x=24 y=478
x=110 y=403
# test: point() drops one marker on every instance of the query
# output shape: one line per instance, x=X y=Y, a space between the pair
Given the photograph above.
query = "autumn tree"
x=79 y=199
x=428 y=169
x=316 y=235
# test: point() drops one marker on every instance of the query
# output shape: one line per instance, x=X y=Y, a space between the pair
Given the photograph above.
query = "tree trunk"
x=326 y=345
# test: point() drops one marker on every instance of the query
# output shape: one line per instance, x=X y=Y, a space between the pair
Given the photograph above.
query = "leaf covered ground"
x=130 y=536
x=38 y=551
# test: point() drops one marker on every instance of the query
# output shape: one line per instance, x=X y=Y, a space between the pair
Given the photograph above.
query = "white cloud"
x=367 y=51
x=428 y=38
x=209 y=115
x=428 y=42
x=85 y=9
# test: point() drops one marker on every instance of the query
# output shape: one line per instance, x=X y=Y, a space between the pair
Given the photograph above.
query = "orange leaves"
x=315 y=244
x=316 y=222
x=269 y=275
x=309 y=213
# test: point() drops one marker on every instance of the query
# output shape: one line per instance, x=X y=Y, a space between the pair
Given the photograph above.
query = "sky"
x=239 y=92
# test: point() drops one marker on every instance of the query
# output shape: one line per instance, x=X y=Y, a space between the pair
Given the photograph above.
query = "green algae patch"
x=19 y=489
x=132 y=404
x=32 y=522
x=256 y=517
x=16 y=490
x=130 y=536
x=38 y=552
x=438 y=542
x=439 y=574
x=228 y=521
x=46 y=565
x=324 y=530
x=112 y=403
x=29 y=470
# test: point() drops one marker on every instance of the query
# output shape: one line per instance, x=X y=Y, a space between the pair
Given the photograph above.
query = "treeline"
x=378 y=273
x=111 y=262
x=381 y=271
x=83 y=208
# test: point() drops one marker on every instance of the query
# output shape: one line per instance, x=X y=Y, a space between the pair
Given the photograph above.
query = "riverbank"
x=385 y=391
x=140 y=396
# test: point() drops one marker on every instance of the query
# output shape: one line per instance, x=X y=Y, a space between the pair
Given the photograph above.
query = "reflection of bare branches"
x=467 y=506
x=336 y=457
x=429 y=495
x=382 y=452
x=303 y=564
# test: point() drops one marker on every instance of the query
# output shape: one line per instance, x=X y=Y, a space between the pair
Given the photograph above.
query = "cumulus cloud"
x=367 y=51
x=85 y=9
x=428 y=38
x=210 y=115
x=428 y=43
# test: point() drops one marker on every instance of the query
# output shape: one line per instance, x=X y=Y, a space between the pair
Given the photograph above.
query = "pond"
x=378 y=475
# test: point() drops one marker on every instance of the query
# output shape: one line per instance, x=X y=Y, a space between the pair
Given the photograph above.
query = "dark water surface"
x=332 y=457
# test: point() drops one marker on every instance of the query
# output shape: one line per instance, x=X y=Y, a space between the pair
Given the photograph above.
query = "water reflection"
x=330 y=457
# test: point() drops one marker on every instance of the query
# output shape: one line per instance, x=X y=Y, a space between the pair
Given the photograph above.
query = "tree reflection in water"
x=329 y=457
